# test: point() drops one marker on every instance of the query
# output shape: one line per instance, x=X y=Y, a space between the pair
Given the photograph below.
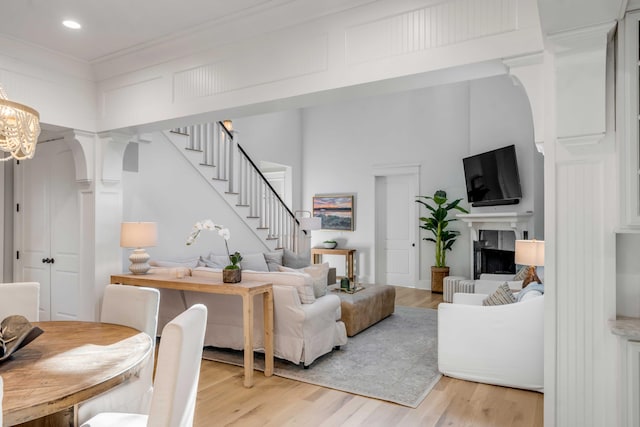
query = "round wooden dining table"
x=69 y=363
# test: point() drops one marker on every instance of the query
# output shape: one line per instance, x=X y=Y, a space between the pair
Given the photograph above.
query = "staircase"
x=212 y=150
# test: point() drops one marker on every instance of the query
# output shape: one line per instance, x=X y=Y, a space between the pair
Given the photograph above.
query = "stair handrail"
x=264 y=179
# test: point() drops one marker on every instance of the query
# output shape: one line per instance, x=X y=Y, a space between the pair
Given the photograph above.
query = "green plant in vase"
x=232 y=273
x=437 y=224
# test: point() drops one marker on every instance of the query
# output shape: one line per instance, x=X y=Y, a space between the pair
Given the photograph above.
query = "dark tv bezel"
x=494 y=202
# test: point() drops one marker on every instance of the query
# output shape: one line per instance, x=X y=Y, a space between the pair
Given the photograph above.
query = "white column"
x=98 y=161
x=580 y=351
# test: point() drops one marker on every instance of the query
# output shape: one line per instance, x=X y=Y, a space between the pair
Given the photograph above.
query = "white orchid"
x=207 y=224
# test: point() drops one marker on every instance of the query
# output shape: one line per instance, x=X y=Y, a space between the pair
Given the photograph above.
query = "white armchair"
x=501 y=345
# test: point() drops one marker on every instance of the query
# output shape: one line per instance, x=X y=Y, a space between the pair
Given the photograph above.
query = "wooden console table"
x=245 y=289
x=317 y=253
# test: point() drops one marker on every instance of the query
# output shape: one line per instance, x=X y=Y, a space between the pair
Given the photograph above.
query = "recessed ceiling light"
x=71 y=24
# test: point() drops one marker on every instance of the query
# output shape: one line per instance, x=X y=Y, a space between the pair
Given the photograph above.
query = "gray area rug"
x=394 y=360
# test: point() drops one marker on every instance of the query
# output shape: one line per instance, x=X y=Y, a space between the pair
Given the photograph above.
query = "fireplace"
x=494 y=252
x=493 y=240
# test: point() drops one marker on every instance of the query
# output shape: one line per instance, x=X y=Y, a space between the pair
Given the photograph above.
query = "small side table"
x=317 y=253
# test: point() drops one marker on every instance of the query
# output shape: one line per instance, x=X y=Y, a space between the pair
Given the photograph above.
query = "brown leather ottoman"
x=366 y=307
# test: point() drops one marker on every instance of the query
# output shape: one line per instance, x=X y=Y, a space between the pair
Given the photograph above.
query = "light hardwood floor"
x=275 y=401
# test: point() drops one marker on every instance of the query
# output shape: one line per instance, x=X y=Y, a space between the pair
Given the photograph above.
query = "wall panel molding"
x=585 y=348
x=430 y=27
x=286 y=60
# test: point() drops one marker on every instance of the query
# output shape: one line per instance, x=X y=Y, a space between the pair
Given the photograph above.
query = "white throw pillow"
x=318 y=274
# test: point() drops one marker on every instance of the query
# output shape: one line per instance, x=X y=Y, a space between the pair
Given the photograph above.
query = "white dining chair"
x=1 y=396
x=136 y=307
x=21 y=298
x=176 y=383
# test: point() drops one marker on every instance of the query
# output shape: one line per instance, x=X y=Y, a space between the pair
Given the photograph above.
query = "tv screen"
x=492 y=178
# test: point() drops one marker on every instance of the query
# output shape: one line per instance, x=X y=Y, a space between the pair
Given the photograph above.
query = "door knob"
x=45 y=259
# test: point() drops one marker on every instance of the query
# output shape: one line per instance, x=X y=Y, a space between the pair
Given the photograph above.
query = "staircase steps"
x=213 y=151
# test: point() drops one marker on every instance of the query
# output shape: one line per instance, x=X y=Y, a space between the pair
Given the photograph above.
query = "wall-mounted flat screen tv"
x=492 y=178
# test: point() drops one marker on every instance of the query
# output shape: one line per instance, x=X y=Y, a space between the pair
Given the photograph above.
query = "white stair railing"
x=229 y=162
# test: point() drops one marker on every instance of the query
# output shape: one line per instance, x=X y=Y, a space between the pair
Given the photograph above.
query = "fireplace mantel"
x=517 y=222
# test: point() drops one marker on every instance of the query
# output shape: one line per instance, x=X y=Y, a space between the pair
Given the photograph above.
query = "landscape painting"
x=336 y=211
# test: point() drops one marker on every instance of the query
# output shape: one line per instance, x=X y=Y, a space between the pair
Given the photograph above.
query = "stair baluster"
x=231 y=163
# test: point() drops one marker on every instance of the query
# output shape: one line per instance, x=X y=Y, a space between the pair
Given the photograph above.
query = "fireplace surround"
x=493 y=237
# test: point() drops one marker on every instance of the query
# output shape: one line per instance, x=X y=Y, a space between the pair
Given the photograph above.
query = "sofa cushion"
x=178 y=262
x=215 y=261
x=293 y=260
x=502 y=295
x=301 y=282
x=273 y=260
x=318 y=274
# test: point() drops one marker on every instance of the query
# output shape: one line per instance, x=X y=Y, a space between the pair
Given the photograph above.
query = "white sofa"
x=501 y=345
x=302 y=332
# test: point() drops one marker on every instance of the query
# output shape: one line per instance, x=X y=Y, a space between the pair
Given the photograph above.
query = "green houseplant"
x=437 y=224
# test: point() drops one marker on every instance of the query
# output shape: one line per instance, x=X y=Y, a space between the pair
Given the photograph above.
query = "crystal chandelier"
x=19 y=129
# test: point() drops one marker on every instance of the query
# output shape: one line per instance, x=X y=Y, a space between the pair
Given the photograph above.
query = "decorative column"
x=580 y=181
x=98 y=163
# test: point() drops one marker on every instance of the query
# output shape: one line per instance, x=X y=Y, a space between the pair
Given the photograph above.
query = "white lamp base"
x=139 y=258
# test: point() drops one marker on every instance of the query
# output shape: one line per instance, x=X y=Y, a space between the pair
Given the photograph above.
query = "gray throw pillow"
x=292 y=260
x=273 y=259
x=254 y=262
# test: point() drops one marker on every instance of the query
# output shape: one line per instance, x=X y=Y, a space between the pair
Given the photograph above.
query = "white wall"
x=167 y=189
x=500 y=116
x=277 y=138
x=432 y=127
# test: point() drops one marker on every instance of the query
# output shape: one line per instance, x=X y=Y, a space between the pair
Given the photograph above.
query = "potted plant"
x=232 y=272
x=437 y=224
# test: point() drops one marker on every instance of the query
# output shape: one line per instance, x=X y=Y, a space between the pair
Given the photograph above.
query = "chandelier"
x=19 y=129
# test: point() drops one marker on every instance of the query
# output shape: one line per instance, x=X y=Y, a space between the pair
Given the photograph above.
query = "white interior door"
x=47 y=229
x=396 y=229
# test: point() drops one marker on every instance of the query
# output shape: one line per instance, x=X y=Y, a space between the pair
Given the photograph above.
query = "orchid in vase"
x=234 y=269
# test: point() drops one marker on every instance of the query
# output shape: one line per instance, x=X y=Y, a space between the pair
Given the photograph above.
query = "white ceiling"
x=112 y=26
x=115 y=26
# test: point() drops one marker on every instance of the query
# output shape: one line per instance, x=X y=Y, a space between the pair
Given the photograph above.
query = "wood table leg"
x=247 y=314
x=267 y=301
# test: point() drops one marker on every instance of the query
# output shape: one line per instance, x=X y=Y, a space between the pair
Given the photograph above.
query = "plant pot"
x=437 y=278
x=231 y=276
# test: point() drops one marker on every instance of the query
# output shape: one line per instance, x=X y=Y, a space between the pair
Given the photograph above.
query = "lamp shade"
x=313 y=223
x=138 y=234
x=530 y=252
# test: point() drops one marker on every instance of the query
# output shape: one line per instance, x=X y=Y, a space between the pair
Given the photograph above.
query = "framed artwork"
x=336 y=211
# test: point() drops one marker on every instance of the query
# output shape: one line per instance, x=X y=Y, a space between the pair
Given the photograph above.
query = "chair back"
x=136 y=307
x=178 y=369
x=132 y=306
x=21 y=298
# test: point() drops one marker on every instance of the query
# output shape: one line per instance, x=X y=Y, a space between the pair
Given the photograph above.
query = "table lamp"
x=138 y=235
x=531 y=253
x=308 y=223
